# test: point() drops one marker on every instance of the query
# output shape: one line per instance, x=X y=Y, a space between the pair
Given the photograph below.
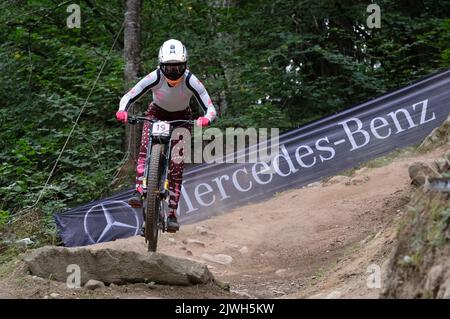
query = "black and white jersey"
x=171 y=98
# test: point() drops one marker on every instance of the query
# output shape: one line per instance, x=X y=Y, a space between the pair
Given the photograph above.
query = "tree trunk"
x=132 y=49
x=132 y=57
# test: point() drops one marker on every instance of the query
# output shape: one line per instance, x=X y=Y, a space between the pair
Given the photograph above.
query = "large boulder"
x=420 y=172
x=117 y=266
x=439 y=136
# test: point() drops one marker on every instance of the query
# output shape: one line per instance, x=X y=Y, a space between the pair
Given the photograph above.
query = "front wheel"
x=152 y=214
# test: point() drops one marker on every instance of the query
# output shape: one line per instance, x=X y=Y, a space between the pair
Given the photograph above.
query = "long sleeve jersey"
x=171 y=98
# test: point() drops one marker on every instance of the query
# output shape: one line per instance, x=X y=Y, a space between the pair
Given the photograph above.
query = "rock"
x=358 y=180
x=243 y=250
x=426 y=144
x=338 y=179
x=54 y=295
x=218 y=258
x=280 y=272
x=377 y=234
x=195 y=242
x=315 y=184
x=151 y=285
x=419 y=172
x=115 y=266
x=93 y=284
x=446 y=286
x=38 y=279
x=433 y=278
x=336 y=294
x=443 y=164
x=242 y=293
x=268 y=254
x=223 y=285
x=278 y=292
x=201 y=230
x=25 y=241
x=407 y=260
x=365 y=240
x=361 y=171
x=438 y=136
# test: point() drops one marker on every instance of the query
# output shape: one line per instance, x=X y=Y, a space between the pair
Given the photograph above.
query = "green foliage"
x=4 y=216
x=46 y=73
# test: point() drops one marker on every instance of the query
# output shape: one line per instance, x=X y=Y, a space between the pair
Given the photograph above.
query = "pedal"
x=172 y=229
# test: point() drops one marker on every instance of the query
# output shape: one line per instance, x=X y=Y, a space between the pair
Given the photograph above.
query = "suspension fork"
x=167 y=152
x=164 y=174
x=147 y=161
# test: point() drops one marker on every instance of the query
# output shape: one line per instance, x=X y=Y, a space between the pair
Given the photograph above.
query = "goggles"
x=173 y=71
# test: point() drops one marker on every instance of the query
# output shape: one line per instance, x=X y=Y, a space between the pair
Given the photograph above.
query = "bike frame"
x=166 y=141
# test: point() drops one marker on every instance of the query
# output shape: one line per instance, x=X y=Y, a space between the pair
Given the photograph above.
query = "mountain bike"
x=155 y=179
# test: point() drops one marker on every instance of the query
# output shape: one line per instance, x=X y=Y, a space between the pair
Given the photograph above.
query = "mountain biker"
x=172 y=85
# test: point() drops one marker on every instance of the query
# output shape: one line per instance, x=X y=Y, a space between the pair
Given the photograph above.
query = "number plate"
x=161 y=128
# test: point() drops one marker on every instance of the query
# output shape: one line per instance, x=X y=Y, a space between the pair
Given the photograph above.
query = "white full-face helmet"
x=173 y=57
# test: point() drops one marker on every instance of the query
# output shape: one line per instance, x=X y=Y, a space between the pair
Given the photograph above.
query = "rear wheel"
x=152 y=215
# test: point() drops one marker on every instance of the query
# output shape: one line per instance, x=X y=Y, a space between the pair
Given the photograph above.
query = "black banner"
x=307 y=154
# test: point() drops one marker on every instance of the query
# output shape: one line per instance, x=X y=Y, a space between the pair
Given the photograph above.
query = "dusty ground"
x=312 y=242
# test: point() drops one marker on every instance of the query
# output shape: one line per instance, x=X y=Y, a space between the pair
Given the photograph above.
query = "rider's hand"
x=202 y=121
x=122 y=116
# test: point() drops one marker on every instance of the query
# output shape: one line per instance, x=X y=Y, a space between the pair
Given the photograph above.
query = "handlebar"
x=139 y=119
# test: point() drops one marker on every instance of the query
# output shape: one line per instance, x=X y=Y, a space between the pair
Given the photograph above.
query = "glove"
x=122 y=116
x=202 y=121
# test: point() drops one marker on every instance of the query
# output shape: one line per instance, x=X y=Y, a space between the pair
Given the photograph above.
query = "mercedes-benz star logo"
x=111 y=220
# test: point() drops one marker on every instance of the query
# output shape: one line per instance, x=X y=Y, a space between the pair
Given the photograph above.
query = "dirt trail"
x=298 y=239
x=4 y=294
x=312 y=242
